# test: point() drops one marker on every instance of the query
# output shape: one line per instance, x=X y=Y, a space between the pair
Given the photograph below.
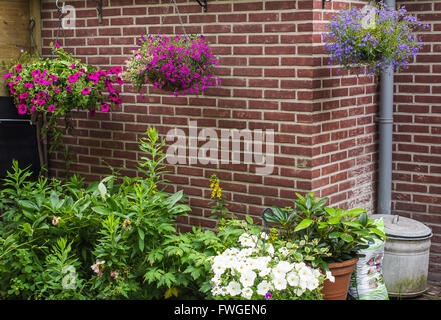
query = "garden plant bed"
x=220 y=150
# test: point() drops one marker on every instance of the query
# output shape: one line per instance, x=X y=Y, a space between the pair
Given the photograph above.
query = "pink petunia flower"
x=56 y=90
x=85 y=91
x=24 y=96
x=28 y=85
x=72 y=78
x=72 y=65
x=36 y=73
x=117 y=70
x=33 y=109
x=69 y=88
x=105 y=107
x=18 y=67
x=51 y=108
x=22 y=109
x=119 y=80
x=8 y=75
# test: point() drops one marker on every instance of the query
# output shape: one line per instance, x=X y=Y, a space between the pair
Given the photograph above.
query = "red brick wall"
x=275 y=75
x=417 y=131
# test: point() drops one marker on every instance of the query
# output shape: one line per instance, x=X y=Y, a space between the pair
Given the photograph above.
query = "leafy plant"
x=340 y=233
x=117 y=228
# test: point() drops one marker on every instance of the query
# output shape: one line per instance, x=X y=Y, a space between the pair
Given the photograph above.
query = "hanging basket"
x=179 y=64
x=49 y=89
x=372 y=37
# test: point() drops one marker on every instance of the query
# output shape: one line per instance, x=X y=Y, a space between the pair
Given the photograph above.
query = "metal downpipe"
x=385 y=121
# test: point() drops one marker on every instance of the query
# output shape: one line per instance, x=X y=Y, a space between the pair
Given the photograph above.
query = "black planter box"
x=17 y=139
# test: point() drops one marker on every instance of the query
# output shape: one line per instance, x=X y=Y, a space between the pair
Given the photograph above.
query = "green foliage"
x=106 y=240
x=339 y=234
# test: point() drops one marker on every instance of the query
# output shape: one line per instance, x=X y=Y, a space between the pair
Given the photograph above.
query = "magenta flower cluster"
x=371 y=38
x=56 y=86
x=181 y=64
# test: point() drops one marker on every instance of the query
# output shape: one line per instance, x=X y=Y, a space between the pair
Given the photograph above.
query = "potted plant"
x=340 y=234
x=49 y=89
x=259 y=266
x=179 y=64
x=372 y=37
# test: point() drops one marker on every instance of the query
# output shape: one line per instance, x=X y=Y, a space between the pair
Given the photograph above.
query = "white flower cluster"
x=247 y=272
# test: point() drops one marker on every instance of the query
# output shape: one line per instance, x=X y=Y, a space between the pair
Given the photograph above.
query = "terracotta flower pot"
x=342 y=271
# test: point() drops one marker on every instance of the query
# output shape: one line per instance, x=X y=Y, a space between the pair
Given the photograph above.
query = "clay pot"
x=342 y=271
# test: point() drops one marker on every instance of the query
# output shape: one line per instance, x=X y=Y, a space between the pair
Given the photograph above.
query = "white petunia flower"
x=234 y=288
x=264 y=287
x=246 y=240
x=264 y=271
x=299 y=292
x=312 y=284
x=223 y=291
x=284 y=266
x=329 y=276
x=264 y=236
x=277 y=272
x=247 y=278
x=218 y=269
x=247 y=293
x=293 y=279
x=279 y=283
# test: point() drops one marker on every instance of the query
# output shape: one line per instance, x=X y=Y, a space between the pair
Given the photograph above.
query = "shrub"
x=72 y=241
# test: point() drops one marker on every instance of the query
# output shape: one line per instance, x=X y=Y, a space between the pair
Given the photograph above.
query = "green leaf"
x=173 y=199
x=305 y=223
x=141 y=233
x=249 y=219
x=28 y=205
x=101 y=210
x=334 y=235
x=353 y=224
x=334 y=220
x=346 y=237
x=363 y=219
x=377 y=232
x=102 y=189
x=141 y=244
x=27 y=228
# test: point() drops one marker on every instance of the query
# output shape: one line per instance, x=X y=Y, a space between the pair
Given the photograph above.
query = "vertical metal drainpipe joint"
x=385 y=121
